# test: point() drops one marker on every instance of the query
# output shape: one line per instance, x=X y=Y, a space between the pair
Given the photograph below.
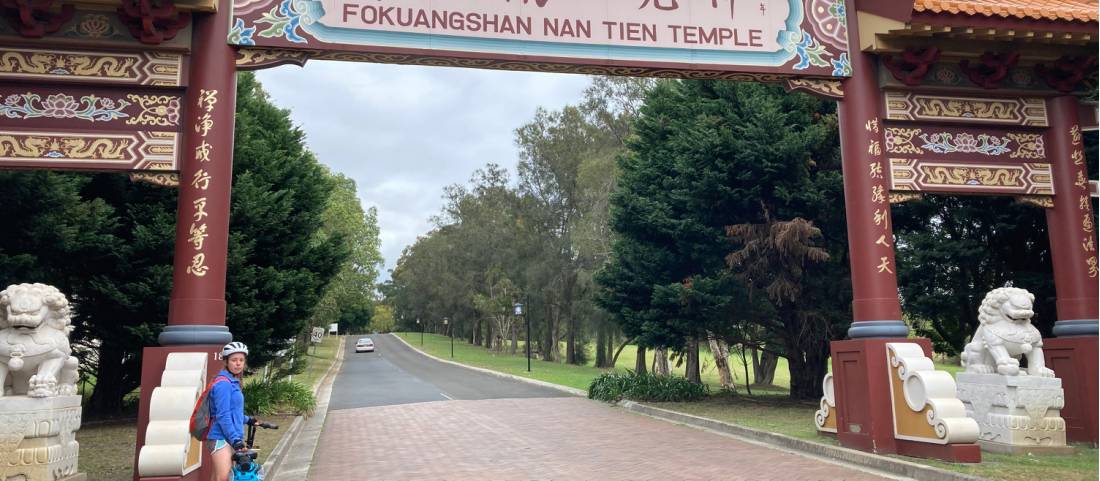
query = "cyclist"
x=227 y=418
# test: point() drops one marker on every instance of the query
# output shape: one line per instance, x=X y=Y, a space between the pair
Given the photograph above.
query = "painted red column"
x=196 y=312
x=1072 y=230
x=875 y=306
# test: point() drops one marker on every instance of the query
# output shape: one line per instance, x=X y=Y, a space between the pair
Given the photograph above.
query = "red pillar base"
x=152 y=366
x=864 y=417
x=1075 y=361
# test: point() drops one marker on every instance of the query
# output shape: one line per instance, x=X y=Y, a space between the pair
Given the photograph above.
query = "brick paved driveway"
x=545 y=439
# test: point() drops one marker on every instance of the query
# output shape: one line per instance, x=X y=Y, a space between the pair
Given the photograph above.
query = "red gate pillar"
x=860 y=379
x=196 y=312
x=1071 y=226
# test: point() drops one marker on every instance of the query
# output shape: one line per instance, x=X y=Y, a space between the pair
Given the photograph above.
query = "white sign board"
x=316 y=335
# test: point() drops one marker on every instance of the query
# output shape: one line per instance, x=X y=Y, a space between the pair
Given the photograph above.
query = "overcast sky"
x=404 y=132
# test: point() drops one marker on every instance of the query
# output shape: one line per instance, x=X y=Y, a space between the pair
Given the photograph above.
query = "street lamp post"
x=451 y=333
x=519 y=313
x=421 y=327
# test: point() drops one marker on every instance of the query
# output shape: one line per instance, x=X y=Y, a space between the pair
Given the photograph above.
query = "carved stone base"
x=38 y=438
x=1001 y=448
x=1014 y=411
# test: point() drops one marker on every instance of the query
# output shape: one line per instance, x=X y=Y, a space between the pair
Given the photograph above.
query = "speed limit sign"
x=316 y=335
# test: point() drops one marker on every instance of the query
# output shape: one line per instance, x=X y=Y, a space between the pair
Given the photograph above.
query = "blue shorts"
x=213 y=446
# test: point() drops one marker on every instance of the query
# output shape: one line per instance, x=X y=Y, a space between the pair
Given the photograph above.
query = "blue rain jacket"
x=227 y=410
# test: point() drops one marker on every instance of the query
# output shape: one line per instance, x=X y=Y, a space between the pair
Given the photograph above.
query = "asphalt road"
x=397 y=374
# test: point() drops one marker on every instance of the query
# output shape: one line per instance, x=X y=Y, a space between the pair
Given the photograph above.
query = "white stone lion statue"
x=35 y=357
x=1004 y=335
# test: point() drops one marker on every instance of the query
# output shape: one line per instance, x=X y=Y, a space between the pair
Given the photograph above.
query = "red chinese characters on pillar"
x=197 y=232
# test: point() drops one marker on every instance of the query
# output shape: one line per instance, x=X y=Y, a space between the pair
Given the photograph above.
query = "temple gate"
x=978 y=97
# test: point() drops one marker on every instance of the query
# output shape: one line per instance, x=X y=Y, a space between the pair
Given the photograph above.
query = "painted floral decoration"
x=63 y=106
x=241 y=35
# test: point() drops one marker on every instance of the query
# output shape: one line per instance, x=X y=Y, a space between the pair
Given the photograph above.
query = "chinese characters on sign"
x=200 y=180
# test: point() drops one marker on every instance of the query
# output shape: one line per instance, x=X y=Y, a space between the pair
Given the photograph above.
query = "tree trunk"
x=660 y=362
x=109 y=390
x=692 y=369
x=487 y=338
x=515 y=338
x=571 y=341
x=615 y=358
x=721 y=354
x=639 y=361
x=601 y=347
x=764 y=373
x=475 y=333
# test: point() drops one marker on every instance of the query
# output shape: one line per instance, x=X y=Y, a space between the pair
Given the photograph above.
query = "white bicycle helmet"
x=233 y=348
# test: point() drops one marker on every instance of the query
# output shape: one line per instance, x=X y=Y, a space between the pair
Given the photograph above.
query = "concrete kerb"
x=850 y=456
x=565 y=389
x=302 y=448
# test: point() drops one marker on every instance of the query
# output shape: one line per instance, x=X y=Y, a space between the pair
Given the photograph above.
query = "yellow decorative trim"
x=142 y=68
x=163 y=179
x=900 y=197
x=158 y=110
x=1024 y=111
x=822 y=87
x=1044 y=201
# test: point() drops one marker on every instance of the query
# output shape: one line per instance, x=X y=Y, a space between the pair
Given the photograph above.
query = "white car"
x=364 y=345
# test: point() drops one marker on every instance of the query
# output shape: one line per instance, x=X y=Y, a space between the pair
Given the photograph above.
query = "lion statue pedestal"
x=1017 y=409
x=39 y=407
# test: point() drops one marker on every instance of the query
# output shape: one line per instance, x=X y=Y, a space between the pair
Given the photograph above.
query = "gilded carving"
x=198 y=267
x=162 y=179
x=1029 y=146
x=1092 y=266
x=109 y=151
x=143 y=68
x=201 y=180
x=984 y=176
x=158 y=110
x=1024 y=111
x=70 y=147
x=1043 y=201
x=884 y=265
x=822 y=87
x=900 y=141
x=921 y=175
x=899 y=197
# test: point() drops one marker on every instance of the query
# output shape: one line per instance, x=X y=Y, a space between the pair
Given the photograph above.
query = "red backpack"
x=200 y=417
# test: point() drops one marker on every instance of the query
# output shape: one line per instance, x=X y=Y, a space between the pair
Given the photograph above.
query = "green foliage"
x=108 y=243
x=277 y=397
x=708 y=156
x=614 y=386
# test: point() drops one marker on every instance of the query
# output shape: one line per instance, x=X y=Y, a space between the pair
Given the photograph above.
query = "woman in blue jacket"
x=227 y=411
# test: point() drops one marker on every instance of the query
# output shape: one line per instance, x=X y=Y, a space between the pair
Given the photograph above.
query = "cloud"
x=403 y=133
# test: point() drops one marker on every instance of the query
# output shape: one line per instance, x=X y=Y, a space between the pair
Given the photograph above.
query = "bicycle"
x=245 y=467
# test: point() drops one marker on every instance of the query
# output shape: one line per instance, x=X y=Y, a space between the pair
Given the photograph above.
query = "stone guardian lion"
x=35 y=357
x=1004 y=335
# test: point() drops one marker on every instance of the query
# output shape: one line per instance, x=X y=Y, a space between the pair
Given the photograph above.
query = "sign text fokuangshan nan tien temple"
x=778 y=37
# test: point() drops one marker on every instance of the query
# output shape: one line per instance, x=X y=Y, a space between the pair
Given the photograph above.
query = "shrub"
x=277 y=397
x=614 y=386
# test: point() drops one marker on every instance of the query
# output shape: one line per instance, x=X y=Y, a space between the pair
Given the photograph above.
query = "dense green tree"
x=709 y=155
x=108 y=243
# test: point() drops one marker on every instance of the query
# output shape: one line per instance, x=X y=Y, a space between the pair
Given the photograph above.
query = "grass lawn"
x=107 y=448
x=581 y=376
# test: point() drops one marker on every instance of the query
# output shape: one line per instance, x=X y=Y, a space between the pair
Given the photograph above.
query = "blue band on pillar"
x=867 y=329
x=194 y=334
x=1076 y=327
